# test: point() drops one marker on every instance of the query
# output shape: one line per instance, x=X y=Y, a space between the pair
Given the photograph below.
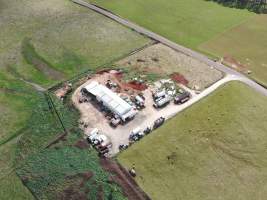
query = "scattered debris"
x=64 y=91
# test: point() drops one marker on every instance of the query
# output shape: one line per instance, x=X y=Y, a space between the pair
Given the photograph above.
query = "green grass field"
x=46 y=42
x=189 y=22
x=246 y=43
x=63 y=35
x=214 y=150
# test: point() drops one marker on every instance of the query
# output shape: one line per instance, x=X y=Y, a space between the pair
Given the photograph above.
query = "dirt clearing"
x=160 y=59
x=93 y=117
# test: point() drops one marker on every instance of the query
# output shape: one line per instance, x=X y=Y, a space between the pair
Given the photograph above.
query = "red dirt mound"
x=179 y=78
x=121 y=176
x=136 y=86
x=130 y=85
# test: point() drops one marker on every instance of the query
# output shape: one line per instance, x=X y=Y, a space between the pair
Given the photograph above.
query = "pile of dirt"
x=122 y=177
x=131 y=85
x=136 y=86
x=179 y=78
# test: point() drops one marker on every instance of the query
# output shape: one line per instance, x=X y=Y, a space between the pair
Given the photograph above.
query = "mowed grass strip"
x=187 y=22
x=214 y=150
x=246 y=43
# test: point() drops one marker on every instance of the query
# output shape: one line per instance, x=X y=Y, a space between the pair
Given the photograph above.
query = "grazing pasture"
x=186 y=22
x=247 y=44
x=214 y=150
x=45 y=42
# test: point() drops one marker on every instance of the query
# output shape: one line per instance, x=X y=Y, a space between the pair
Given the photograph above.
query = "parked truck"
x=161 y=102
x=158 y=122
x=182 y=98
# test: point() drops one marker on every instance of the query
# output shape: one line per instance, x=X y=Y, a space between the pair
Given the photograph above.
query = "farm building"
x=110 y=100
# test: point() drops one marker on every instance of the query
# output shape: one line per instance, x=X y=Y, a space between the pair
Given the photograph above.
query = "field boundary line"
x=226 y=30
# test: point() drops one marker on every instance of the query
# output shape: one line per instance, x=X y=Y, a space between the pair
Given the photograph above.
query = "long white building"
x=111 y=100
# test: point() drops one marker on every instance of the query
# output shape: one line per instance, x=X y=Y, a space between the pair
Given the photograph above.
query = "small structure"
x=110 y=100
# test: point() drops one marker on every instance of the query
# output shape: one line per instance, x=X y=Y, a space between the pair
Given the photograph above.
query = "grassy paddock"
x=63 y=36
x=214 y=150
x=45 y=42
x=12 y=188
x=246 y=43
x=187 y=22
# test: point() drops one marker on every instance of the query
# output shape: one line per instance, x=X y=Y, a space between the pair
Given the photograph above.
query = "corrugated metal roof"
x=109 y=98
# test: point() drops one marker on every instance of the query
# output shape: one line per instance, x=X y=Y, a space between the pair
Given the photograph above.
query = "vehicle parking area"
x=94 y=117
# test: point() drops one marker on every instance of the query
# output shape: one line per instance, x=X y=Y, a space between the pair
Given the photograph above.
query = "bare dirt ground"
x=94 y=118
x=161 y=59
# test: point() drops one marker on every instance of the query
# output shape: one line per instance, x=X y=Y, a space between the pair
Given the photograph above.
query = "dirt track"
x=121 y=176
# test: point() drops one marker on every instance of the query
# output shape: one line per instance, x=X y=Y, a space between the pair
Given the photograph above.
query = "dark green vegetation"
x=253 y=5
x=214 y=150
x=68 y=172
x=56 y=164
x=245 y=43
x=45 y=42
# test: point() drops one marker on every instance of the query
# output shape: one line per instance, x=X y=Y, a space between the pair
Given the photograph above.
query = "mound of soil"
x=130 y=85
x=179 y=78
x=136 y=86
x=122 y=177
